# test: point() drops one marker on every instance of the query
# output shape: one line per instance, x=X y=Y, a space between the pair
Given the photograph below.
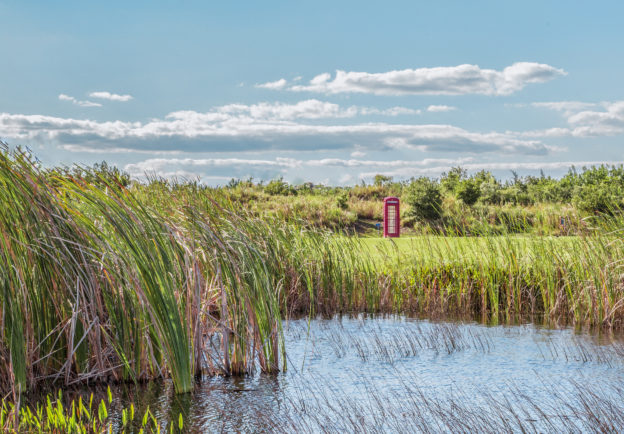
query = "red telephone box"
x=392 y=219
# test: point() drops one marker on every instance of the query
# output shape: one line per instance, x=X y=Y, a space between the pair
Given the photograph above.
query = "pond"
x=398 y=374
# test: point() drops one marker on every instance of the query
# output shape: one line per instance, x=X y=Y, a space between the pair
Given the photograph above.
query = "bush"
x=597 y=199
x=381 y=180
x=425 y=199
x=341 y=200
x=279 y=187
x=469 y=191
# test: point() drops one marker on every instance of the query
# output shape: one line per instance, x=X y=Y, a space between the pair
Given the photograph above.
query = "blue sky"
x=328 y=92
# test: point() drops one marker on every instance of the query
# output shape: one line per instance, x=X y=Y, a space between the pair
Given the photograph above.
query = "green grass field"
x=427 y=248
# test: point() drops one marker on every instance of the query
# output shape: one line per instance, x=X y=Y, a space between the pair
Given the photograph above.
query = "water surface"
x=393 y=374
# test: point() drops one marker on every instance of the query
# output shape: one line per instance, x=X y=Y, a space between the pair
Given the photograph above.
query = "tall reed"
x=100 y=286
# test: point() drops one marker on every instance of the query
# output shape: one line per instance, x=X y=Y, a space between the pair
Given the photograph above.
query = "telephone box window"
x=392 y=220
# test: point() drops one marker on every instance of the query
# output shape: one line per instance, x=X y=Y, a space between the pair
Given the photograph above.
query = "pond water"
x=396 y=374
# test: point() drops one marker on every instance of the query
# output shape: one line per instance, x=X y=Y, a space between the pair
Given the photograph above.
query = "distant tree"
x=279 y=187
x=469 y=191
x=450 y=181
x=380 y=180
x=424 y=198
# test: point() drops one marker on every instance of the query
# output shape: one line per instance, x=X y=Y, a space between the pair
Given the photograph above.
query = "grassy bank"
x=105 y=282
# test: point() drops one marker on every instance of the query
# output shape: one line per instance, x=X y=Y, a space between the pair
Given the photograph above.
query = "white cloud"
x=339 y=162
x=345 y=179
x=274 y=85
x=74 y=101
x=260 y=127
x=592 y=123
x=450 y=80
x=211 y=169
x=582 y=121
x=358 y=154
x=408 y=171
x=440 y=108
x=275 y=111
x=217 y=170
x=159 y=164
x=308 y=109
x=110 y=96
x=565 y=106
x=392 y=111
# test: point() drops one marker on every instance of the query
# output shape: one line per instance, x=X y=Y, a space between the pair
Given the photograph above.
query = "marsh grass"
x=100 y=287
x=173 y=280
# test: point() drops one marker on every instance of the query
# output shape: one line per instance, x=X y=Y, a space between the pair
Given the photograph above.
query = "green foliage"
x=469 y=191
x=424 y=198
x=381 y=180
x=342 y=199
x=279 y=187
x=77 y=417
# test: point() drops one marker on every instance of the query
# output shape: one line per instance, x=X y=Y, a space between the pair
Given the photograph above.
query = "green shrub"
x=341 y=200
x=279 y=187
x=597 y=199
x=469 y=191
x=425 y=199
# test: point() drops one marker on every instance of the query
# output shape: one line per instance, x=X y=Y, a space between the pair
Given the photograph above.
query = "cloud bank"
x=214 y=169
x=262 y=127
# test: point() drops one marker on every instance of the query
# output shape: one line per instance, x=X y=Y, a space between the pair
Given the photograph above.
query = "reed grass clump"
x=98 y=286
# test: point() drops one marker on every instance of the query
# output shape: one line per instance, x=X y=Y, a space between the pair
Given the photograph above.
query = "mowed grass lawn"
x=409 y=251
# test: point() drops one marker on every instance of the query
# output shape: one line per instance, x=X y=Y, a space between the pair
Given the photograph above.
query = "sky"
x=330 y=92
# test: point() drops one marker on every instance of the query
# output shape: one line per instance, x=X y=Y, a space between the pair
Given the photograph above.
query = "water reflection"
x=389 y=374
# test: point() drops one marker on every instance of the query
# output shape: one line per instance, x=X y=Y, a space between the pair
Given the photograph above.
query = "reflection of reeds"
x=323 y=408
x=582 y=350
x=371 y=341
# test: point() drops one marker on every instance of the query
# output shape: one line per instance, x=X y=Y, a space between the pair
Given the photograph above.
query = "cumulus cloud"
x=110 y=96
x=238 y=167
x=211 y=169
x=392 y=111
x=607 y=122
x=307 y=109
x=74 y=101
x=215 y=170
x=606 y=119
x=565 y=106
x=274 y=85
x=217 y=131
x=441 y=108
x=262 y=127
x=410 y=171
x=446 y=80
x=339 y=162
